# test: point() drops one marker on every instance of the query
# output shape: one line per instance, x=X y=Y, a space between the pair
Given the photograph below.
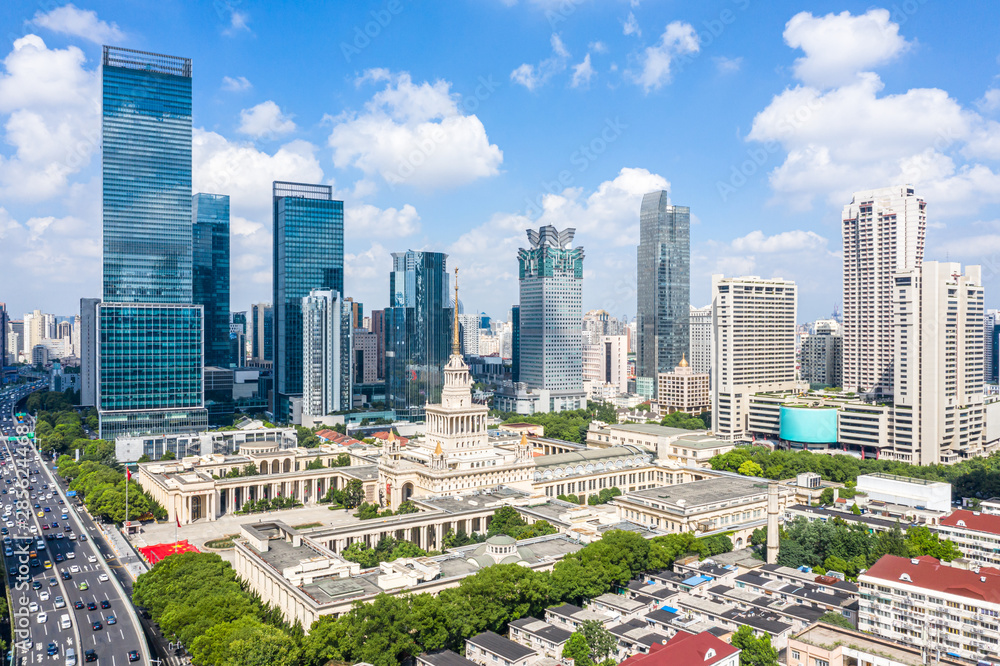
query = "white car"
x=103 y=578
x=42 y=617
x=33 y=607
x=92 y=558
x=71 y=555
x=74 y=569
x=43 y=595
x=33 y=529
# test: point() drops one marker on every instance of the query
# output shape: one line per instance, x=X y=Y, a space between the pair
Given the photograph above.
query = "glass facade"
x=550 y=343
x=210 y=239
x=146 y=159
x=308 y=255
x=515 y=343
x=417 y=332
x=664 y=285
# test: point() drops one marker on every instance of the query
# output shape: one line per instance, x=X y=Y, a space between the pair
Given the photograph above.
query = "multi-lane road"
x=67 y=607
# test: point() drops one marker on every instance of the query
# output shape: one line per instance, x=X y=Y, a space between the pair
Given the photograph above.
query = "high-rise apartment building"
x=262 y=332
x=365 y=357
x=753 y=347
x=210 y=262
x=327 y=353
x=700 y=359
x=150 y=343
x=468 y=334
x=88 y=351
x=308 y=255
x=883 y=233
x=551 y=312
x=664 y=285
x=35 y=330
x=15 y=340
x=823 y=354
x=418 y=329
x=938 y=343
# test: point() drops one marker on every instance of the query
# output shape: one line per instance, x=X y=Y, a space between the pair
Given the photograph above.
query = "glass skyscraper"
x=262 y=332
x=664 y=285
x=308 y=255
x=417 y=332
x=210 y=238
x=550 y=342
x=150 y=357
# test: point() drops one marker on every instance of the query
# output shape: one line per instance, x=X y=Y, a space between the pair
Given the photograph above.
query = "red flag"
x=128 y=474
x=178 y=520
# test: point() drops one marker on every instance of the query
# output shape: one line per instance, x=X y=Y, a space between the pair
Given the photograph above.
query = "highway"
x=67 y=577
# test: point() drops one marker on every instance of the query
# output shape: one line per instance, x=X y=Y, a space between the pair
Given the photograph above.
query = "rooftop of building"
x=589 y=456
x=881 y=523
x=700 y=493
x=445 y=658
x=476 y=500
x=685 y=648
x=903 y=479
x=829 y=637
x=698 y=440
x=503 y=647
x=542 y=628
x=930 y=574
x=650 y=429
x=973 y=520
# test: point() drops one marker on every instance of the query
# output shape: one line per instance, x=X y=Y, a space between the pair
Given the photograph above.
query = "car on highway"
x=60 y=602
x=133 y=655
x=98 y=626
x=91 y=606
x=43 y=595
x=79 y=605
x=83 y=586
x=65 y=575
x=52 y=649
x=53 y=582
x=103 y=578
x=42 y=618
x=74 y=569
x=33 y=607
x=112 y=619
x=105 y=603
x=90 y=655
x=91 y=559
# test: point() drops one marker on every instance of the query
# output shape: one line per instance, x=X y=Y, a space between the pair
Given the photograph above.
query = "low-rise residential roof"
x=684 y=648
x=973 y=520
x=500 y=646
x=930 y=574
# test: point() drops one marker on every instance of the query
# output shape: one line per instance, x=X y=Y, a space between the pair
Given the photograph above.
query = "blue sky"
x=454 y=126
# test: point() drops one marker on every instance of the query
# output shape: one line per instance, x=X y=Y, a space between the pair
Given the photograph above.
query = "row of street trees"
x=102 y=485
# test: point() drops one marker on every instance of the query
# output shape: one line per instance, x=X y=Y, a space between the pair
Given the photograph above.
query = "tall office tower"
x=236 y=356
x=365 y=357
x=883 y=233
x=51 y=327
x=4 y=325
x=35 y=330
x=88 y=351
x=700 y=360
x=664 y=285
x=75 y=336
x=938 y=414
x=15 y=341
x=468 y=335
x=378 y=328
x=149 y=350
x=210 y=262
x=605 y=364
x=417 y=332
x=327 y=351
x=261 y=332
x=598 y=323
x=991 y=357
x=753 y=347
x=64 y=330
x=357 y=312
x=551 y=347
x=308 y=255
x=515 y=343
x=822 y=354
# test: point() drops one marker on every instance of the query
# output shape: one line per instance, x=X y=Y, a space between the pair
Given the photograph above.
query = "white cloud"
x=990 y=101
x=414 y=134
x=265 y=119
x=631 y=26
x=582 y=73
x=598 y=47
x=726 y=65
x=534 y=76
x=238 y=22
x=838 y=46
x=679 y=39
x=52 y=104
x=367 y=221
x=237 y=84
x=69 y=20
x=786 y=241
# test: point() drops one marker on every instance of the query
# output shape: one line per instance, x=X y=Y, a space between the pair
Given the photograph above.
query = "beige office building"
x=683 y=390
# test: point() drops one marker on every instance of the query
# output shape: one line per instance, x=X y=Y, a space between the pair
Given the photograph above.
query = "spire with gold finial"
x=455 y=348
x=437 y=449
x=684 y=362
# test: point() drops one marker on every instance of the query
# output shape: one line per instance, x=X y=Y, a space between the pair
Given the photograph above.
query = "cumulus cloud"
x=679 y=39
x=238 y=22
x=726 y=65
x=414 y=134
x=990 y=101
x=786 y=241
x=582 y=73
x=265 y=119
x=631 y=26
x=52 y=107
x=535 y=76
x=367 y=221
x=237 y=84
x=69 y=20
x=838 y=46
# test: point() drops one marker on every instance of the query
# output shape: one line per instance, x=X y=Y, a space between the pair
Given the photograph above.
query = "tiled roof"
x=930 y=574
x=975 y=521
x=684 y=648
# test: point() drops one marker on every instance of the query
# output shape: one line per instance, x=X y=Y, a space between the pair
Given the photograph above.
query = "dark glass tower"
x=210 y=235
x=417 y=332
x=262 y=332
x=515 y=343
x=308 y=255
x=664 y=285
x=150 y=357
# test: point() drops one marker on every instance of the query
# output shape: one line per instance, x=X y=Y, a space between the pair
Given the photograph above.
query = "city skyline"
x=781 y=99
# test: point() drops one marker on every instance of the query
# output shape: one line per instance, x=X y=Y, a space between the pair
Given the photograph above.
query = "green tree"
x=836 y=619
x=601 y=642
x=376 y=632
x=826 y=497
x=505 y=520
x=576 y=648
x=168 y=455
x=750 y=468
x=683 y=420
x=315 y=463
x=754 y=651
x=921 y=541
x=354 y=493
x=343 y=460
